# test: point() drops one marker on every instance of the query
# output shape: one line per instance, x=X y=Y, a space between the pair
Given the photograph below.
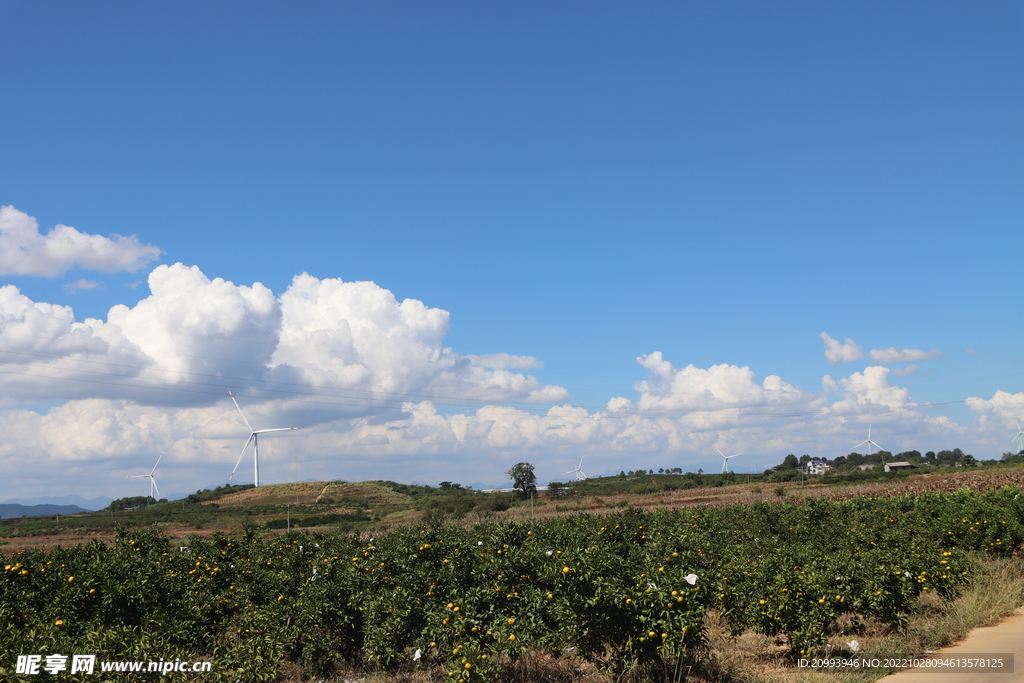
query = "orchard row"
x=621 y=589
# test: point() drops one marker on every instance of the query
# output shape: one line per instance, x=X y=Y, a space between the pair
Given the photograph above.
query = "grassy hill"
x=370 y=495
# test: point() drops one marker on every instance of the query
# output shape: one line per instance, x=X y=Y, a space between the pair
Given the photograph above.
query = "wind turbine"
x=578 y=472
x=254 y=440
x=1020 y=436
x=725 y=459
x=870 y=443
x=154 y=492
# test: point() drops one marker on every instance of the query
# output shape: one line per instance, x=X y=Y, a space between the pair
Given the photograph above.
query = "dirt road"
x=1005 y=637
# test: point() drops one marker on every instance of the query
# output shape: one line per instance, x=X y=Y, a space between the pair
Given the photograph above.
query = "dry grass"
x=177 y=534
x=533 y=667
x=304 y=492
x=316 y=492
x=19 y=544
x=995 y=593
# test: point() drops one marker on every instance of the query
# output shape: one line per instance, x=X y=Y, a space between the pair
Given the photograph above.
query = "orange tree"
x=629 y=587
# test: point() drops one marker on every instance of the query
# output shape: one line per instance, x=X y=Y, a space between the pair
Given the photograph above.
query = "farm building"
x=817 y=467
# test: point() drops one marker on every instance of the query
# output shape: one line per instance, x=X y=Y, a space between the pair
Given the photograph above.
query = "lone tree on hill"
x=523 y=478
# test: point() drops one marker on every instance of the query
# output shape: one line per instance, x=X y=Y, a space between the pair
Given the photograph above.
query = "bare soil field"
x=744 y=494
x=11 y=545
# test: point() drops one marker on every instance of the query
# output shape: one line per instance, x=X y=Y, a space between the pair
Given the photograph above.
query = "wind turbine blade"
x=581 y=463
x=719 y=451
x=239 y=410
x=157 y=496
x=157 y=462
x=279 y=429
x=242 y=454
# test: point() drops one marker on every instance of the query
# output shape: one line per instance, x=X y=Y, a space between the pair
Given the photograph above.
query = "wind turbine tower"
x=1020 y=437
x=578 y=473
x=154 y=492
x=254 y=440
x=725 y=459
x=871 y=443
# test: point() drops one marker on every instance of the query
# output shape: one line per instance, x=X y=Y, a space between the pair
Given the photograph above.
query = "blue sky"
x=580 y=183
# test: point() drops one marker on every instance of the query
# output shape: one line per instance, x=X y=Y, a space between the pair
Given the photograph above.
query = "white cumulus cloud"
x=998 y=417
x=840 y=352
x=870 y=388
x=678 y=418
x=358 y=336
x=379 y=395
x=1003 y=405
x=719 y=387
x=347 y=344
x=190 y=325
x=24 y=251
x=46 y=354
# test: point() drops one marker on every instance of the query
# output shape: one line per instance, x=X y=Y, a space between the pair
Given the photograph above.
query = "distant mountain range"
x=14 y=510
x=97 y=503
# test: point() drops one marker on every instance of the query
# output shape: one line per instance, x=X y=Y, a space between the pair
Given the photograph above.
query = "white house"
x=817 y=467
